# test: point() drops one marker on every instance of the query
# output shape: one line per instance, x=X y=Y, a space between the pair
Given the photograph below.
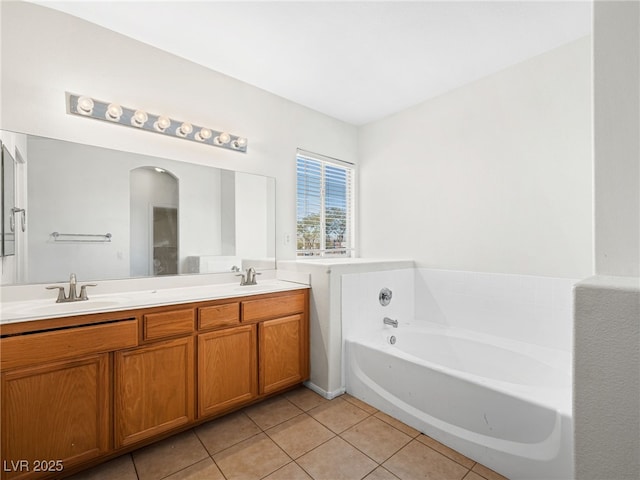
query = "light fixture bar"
x=114 y=113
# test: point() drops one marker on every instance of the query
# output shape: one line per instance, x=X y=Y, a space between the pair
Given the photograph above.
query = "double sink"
x=19 y=311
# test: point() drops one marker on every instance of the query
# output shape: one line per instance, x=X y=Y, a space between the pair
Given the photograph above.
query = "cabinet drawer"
x=167 y=324
x=272 y=307
x=31 y=349
x=216 y=316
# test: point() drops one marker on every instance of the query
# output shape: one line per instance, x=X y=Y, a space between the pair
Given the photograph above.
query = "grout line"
x=208 y=452
x=278 y=469
x=135 y=469
x=447 y=456
x=305 y=471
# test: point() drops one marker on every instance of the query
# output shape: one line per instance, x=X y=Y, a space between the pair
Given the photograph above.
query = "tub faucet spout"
x=390 y=321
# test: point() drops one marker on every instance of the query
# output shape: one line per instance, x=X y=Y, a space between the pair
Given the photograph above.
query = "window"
x=324 y=206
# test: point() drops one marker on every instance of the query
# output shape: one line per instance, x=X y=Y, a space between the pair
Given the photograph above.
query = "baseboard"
x=324 y=393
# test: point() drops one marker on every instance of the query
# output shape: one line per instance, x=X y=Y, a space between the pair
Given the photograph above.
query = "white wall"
x=45 y=53
x=617 y=137
x=251 y=217
x=495 y=176
x=607 y=306
x=607 y=379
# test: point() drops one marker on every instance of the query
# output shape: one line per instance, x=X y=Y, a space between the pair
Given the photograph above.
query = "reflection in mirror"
x=128 y=215
x=8 y=202
x=154 y=222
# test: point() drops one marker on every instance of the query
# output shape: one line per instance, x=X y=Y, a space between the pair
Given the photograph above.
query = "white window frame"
x=348 y=248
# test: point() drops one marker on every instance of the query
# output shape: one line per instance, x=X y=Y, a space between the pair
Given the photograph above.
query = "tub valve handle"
x=385 y=297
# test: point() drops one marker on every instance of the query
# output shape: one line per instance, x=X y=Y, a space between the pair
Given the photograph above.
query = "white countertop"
x=27 y=310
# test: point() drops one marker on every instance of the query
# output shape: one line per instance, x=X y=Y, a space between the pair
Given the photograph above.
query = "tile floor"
x=297 y=435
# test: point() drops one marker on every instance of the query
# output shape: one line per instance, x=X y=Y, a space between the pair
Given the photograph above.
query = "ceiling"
x=355 y=61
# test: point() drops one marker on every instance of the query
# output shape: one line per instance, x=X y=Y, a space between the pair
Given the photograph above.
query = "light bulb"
x=114 y=112
x=223 y=138
x=85 y=105
x=203 y=135
x=139 y=118
x=162 y=123
x=184 y=130
x=240 y=142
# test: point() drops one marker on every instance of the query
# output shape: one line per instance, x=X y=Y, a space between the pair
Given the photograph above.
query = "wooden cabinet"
x=58 y=412
x=167 y=324
x=79 y=389
x=283 y=358
x=153 y=390
x=218 y=316
x=227 y=369
x=274 y=306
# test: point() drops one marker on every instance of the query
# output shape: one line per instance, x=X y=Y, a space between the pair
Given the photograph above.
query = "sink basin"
x=254 y=288
x=50 y=308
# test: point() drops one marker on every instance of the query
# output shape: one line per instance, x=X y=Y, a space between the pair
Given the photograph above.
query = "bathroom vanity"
x=82 y=388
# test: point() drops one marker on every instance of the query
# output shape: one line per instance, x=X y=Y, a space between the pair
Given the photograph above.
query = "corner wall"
x=607 y=306
x=495 y=176
x=616 y=75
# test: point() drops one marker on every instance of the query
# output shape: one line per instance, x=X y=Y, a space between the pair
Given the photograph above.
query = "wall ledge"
x=609 y=282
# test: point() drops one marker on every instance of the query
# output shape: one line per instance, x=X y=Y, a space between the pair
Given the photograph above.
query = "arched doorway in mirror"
x=154 y=221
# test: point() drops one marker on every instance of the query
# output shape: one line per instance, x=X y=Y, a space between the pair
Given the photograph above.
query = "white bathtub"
x=503 y=403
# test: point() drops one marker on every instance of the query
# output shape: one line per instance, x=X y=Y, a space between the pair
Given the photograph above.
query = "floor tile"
x=338 y=415
x=417 y=461
x=169 y=456
x=254 y=458
x=336 y=460
x=120 y=468
x=291 y=471
x=487 y=472
x=305 y=398
x=403 y=427
x=205 y=469
x=375 y=438
x=299 y=435
x=226 y=431
x=359 y=403
x=446 y=451
x=381 y=473
x=271 y=412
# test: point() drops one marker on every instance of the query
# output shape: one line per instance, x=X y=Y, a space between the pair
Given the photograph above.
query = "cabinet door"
x=154 y=389
x=282 y=353
x=54 y=412
x=227 y=369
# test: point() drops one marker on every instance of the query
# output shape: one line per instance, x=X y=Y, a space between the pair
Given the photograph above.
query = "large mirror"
x=107 y=214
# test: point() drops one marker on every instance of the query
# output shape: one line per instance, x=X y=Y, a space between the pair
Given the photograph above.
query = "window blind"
x=324 y=206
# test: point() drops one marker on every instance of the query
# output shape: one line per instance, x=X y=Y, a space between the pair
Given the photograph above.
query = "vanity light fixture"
x=130 y=117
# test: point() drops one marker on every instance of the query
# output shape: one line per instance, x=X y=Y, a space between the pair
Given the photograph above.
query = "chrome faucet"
x=390 y=321
x=73 y=296
x=249 y=277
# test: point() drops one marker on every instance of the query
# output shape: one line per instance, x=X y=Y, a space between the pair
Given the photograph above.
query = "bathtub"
x=501 y=402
